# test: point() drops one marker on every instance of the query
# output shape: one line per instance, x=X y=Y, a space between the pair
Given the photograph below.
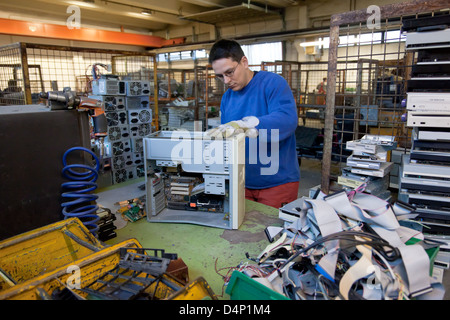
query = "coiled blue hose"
x=81 y=202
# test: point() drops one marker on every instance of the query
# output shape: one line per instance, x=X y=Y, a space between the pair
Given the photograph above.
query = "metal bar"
x=25 y=73
x=196 y=91
x=7 y=278
x=390 y=11
x=206 y=96
x=40 y=78
x=18 y=27
x=111 y=273
x=120 y=286
x=37 y=233
x=81 y=49
x=146 y=281
x=329 y=110
x=80 y=241
x=155 y=93
x=100 y=294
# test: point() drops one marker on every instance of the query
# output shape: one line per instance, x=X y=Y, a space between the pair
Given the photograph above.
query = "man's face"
x=233 y=73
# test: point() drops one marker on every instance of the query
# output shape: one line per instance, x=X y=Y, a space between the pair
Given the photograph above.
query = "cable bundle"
x=368 y=258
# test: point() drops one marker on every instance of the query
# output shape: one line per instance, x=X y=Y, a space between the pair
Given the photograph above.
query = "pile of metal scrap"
x=368 y=165
x=346 y=246
x=137 y=276
x=64 y=261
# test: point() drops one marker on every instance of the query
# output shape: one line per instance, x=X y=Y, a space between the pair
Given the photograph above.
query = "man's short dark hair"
x=225 y=48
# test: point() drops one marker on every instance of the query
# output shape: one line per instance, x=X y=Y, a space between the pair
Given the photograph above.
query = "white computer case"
x=220 y=164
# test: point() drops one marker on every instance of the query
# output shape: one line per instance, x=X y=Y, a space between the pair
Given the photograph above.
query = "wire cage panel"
x=11 y=76
x=27 y=69
x=368 y=70
x=189 y=96
x=61 y=68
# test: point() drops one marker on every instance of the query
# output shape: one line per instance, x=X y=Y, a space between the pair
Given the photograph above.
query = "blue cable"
x=80 y=201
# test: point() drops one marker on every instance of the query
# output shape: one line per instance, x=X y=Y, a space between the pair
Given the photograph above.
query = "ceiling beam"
x=109 y=13
x=33 y=29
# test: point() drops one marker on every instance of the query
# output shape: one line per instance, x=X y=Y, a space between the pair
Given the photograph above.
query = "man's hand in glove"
x=246 y=125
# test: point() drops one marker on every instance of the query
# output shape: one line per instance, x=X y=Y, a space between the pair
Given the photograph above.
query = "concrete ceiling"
x=127 y=14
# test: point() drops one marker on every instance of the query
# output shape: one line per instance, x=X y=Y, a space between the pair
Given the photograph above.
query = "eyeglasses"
x=228 y=73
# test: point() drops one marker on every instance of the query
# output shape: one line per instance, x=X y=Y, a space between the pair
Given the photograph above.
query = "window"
x=199 y=54
x=257 y=53
x=394 y=36
x=366 y=38
x=173 y=56
x=162 y=57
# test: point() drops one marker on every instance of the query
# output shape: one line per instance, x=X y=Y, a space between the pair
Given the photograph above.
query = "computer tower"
x=193 y=179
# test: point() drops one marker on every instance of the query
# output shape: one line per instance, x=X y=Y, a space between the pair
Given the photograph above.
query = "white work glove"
x=246 y=125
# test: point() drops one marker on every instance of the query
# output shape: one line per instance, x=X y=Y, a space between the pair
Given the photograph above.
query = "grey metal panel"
x=33 y=140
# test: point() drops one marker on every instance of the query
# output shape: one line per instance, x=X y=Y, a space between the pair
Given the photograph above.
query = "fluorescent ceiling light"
x=139 y=15
x=83 y=4
x=312 y=43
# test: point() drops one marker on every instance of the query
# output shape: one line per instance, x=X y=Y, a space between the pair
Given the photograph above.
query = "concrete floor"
x=209 y=252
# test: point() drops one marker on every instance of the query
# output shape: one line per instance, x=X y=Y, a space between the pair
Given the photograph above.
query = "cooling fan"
x=145 y=116
x=138 y=88
x=140 y=116
x=144 y=129
x=114 y=133
x=120 y=147
x=120 y=176
x=140 y=130
x=112 y=118
x=123 y=175
x=110 y=104
x=116 y=118
x=118 y=162
x=135 y=88
x=118 y=132
x=122 y=161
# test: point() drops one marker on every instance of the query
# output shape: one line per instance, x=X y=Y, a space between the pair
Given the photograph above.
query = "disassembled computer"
x=191 y=178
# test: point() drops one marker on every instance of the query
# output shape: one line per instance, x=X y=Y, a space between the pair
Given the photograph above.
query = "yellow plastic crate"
x=40 y=251
x=90 y=267
x=198 y=289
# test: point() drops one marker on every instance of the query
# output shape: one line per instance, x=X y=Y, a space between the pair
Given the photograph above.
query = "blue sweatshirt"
x=271 y=159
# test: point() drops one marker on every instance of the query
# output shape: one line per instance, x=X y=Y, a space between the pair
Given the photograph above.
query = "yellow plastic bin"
x=198 y=289
x=40 y=251
x=87 y=269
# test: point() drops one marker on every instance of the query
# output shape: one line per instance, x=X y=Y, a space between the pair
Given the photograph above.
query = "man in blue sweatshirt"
x=260 y=104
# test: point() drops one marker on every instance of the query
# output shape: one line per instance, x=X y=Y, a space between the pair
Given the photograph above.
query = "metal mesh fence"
x=368 y=69
x=61 y=68
x=28 y=69
x=11 y=76
x=187 y=96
